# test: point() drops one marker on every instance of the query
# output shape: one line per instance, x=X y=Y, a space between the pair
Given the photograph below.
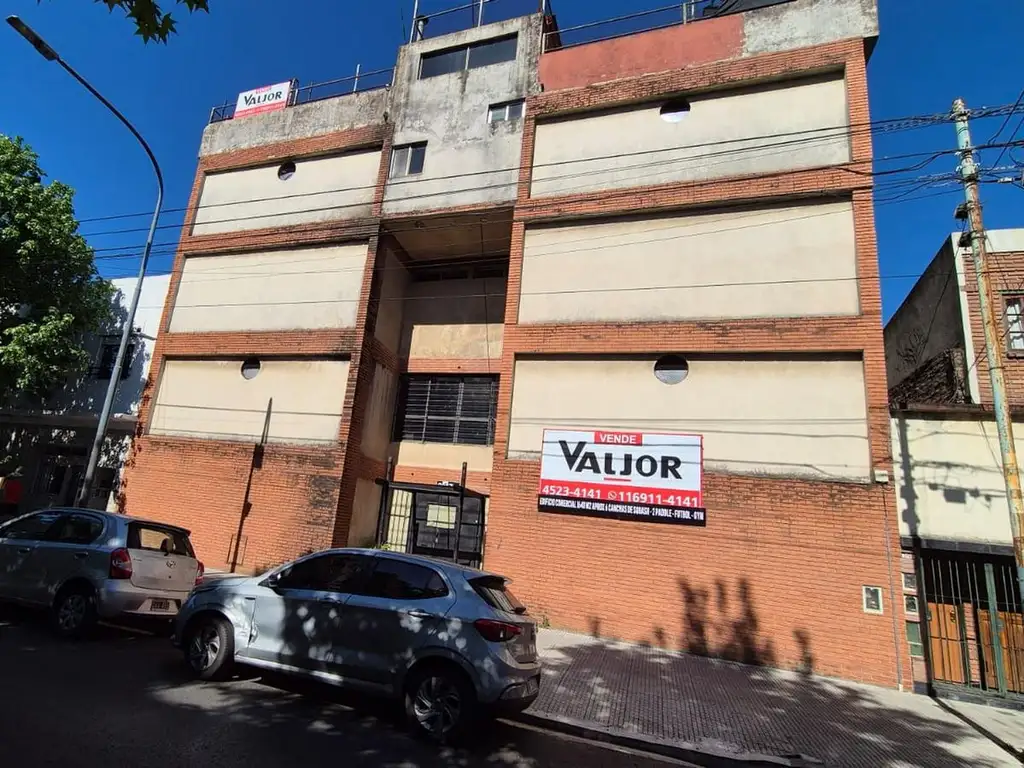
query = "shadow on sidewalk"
x=723 y=696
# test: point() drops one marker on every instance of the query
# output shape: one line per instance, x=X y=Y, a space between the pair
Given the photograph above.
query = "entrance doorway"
x=443 y=521
x=974 y=623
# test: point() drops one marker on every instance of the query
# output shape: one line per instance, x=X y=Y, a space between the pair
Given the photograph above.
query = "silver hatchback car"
x=451 y=641
x=85 y=565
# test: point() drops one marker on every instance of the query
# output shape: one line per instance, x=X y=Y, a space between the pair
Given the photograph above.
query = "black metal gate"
x=444 y=521
x=974 y=624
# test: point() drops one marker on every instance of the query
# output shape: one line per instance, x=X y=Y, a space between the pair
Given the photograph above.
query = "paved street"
x=122 y=699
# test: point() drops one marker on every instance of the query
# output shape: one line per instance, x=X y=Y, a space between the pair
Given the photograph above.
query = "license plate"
x=160 y=605
x=532 y=686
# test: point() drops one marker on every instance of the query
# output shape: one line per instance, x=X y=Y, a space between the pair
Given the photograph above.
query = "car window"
x=156 y=538
x=495 y=593
x=31 y=528
x=76 y=529
x=399 y=580
x=327 y=573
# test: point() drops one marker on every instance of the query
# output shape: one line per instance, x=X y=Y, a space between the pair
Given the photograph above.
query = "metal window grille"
x=447 y=409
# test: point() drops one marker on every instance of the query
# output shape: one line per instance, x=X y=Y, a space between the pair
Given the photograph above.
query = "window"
x=910 y=581
x=441 y=516
x=286 y=171
x=501 y=113
x=76 y=529
x=674 y=111
x=31 y=528
x=872 y=599
x=910 y=603
x=250 y=368
x=327 y=573
x=496 y=594
x=914 y=639
x=671 y=369
x=108 y=356
x=471 y=56
x=408 y=160
x=156 y=538
x=399 y=580
x=447 y=409
x=1015 y=324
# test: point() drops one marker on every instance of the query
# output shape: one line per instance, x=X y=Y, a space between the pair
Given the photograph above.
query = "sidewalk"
x=715 y=709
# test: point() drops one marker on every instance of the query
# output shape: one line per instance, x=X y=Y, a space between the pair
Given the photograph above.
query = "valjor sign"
x=648 y=476
x=269 y=98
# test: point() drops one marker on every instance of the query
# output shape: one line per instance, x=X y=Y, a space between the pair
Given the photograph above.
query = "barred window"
x=447 y=409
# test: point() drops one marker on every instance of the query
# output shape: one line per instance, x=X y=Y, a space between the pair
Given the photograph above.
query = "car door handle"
x=24 y=550
x=81 y=555
x=421 y=614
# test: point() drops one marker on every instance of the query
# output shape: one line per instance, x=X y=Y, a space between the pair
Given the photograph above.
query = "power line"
x=882 y=126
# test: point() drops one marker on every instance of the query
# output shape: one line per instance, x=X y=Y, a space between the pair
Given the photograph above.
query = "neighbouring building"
x=46 y=446
x=959 y=578
x=660 y=238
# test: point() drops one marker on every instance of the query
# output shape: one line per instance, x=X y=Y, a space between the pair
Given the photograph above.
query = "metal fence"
x=327 y=89
x=472 y=13
x=644 y=21
x=974 y=625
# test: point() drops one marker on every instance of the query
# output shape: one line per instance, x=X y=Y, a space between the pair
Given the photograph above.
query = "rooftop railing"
x=327 y=89
x=685 y=12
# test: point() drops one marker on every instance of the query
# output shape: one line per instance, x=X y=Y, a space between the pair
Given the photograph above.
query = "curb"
x=678 y=750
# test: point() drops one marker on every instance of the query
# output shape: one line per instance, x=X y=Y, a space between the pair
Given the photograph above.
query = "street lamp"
x=115 y=377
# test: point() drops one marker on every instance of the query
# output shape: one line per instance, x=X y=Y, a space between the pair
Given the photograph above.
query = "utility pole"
x=1004 y=424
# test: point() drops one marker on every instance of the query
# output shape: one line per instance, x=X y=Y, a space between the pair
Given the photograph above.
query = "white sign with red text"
x=652 y=476
x=269 y=98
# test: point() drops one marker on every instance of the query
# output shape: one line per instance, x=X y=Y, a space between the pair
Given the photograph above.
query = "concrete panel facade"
x=408 y=453
x=454 y=319
x=731 y=133
x=380 y=412
x=394 y=281
x=209 y=399
x=949 y=479
x=792 y=261
x=321 y=189
x=468 y=160
x=270 y=290
x=795 y=418
x=303 y=121
x=803 y=23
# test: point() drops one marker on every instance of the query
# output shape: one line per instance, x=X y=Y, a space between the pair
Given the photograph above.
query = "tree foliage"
x=151 y=21
x=50 y=292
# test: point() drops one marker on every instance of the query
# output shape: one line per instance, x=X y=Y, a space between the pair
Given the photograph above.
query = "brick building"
x=954 y=518
x=524 y=231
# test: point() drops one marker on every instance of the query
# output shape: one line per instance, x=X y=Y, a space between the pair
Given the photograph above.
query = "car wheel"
x=74 y=611
x=440 y=703
x=209 y=648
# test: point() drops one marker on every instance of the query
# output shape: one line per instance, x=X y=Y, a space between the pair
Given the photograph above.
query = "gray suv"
x=85 y=565
x=450 y=641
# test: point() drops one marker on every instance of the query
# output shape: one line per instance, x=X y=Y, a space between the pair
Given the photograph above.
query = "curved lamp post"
x=50 y=54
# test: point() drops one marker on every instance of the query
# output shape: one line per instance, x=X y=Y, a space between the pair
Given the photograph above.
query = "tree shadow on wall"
x=722 y=693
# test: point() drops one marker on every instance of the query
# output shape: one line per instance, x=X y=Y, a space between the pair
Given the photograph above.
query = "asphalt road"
x=122 y=698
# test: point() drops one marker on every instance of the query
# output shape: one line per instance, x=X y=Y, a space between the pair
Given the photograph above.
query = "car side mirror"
x=273 y=581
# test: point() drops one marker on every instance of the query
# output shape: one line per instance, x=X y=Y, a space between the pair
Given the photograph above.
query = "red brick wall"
x=776 y=575
x=684 y=45
x=1006 y=271
x=298 y=499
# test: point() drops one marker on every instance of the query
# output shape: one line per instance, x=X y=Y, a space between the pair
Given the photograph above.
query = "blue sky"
x=922 y=62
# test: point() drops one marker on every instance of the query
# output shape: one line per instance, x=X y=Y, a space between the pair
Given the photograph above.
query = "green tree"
x=151 y=22
x=50 y=292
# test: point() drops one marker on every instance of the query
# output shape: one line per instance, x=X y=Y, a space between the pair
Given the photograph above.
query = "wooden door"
x=946 y=643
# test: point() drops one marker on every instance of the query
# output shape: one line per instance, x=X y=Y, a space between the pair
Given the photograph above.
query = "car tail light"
x=199 y=573
x=497 y=631
x=120 y=564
